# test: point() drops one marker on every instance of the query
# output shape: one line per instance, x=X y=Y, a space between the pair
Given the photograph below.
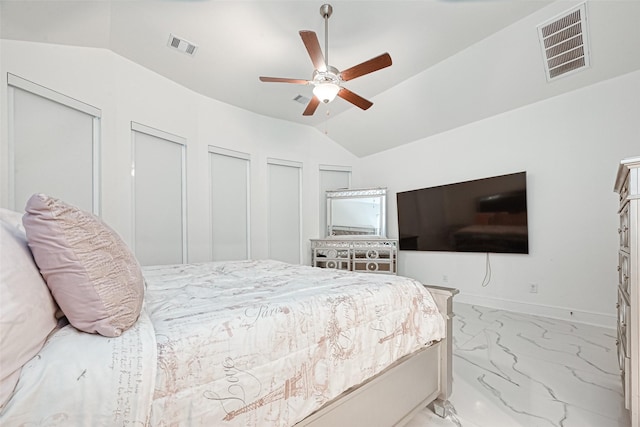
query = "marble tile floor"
x=518 y=370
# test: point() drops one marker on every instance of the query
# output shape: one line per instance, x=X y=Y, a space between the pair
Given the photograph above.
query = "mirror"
x=357 y=213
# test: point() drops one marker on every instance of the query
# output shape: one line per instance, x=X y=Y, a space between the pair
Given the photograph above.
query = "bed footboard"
x=444 y=300
x=394 y=396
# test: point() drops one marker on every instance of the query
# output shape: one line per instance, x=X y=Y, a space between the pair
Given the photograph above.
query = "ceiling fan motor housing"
x=332 y=75
x=327 y=84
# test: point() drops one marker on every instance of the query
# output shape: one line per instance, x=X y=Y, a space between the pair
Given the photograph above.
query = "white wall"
x=126 y=92
x=570 y=146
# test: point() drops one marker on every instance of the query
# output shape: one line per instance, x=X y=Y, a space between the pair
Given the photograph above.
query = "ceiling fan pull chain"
x=326 y=122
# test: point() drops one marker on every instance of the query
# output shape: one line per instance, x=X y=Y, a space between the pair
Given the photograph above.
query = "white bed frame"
x=394 y=396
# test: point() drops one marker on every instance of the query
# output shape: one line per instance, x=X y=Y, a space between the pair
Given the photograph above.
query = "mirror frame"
x=334 y=195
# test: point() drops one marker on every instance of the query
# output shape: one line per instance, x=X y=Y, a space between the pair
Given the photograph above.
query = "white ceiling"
x=449 y=65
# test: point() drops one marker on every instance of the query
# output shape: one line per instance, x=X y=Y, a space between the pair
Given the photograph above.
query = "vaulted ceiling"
x=454 y=61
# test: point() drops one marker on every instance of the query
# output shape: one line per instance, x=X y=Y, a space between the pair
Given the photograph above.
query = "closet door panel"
x=158 y=200
x=52 y=151
x=229 y=207
x=284 y=212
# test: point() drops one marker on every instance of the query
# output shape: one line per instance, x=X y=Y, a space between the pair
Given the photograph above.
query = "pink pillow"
x=92 y=274
x=27 y=310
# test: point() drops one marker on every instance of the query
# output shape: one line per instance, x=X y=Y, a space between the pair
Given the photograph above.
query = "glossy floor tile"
x=518 y=370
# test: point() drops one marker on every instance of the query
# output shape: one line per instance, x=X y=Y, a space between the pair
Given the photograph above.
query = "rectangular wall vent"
x=564 y=43
x=301 y=99
x=182 y=45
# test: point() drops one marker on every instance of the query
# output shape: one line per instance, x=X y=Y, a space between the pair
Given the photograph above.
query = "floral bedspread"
x=247 y=343
x=264 y=343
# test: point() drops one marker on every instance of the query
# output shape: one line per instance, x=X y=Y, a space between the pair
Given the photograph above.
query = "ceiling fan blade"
x=310 y=41
x=284 y=80
x=356 y=100
x=367 y=67
x=311 y=107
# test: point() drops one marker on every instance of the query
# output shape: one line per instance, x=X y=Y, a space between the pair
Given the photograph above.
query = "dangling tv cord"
x=487 y=274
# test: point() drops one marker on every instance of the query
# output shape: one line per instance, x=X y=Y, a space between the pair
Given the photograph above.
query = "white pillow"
x=27 y=310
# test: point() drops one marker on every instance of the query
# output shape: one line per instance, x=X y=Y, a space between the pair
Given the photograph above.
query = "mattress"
x=265 y=343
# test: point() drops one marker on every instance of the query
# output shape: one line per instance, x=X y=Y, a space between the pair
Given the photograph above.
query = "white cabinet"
x=628 y=187
x=372 y=255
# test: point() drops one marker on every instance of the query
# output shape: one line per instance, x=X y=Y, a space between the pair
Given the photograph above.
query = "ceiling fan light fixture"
x=327 y=80
x=326 y=92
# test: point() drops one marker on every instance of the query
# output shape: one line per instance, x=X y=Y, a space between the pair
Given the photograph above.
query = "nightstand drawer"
x=624 y=272
x=624 y=191
x=621 y=344
x=623 y=231
x=624 y=318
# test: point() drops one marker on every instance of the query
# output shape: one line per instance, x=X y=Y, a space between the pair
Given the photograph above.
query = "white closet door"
x=331 y=178
x=284 y=211
x=229 y=205
x=52 y=148
x=159 y=199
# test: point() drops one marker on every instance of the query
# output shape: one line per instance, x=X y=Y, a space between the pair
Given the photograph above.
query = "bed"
x=243 y=343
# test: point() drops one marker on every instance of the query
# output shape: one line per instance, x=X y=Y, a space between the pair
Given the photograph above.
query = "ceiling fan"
x=327 y=80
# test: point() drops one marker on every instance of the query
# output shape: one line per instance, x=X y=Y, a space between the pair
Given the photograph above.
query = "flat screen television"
x=482 y=215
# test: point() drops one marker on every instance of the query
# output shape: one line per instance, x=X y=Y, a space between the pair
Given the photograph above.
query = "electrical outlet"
x=533 y=288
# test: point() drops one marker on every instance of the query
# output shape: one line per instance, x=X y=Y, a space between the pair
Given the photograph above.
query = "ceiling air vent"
x=301 y=99
x=564 y=43
x=182 y=45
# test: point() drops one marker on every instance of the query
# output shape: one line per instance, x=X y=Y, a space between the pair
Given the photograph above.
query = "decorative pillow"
x=27 y=310
x=92 y=274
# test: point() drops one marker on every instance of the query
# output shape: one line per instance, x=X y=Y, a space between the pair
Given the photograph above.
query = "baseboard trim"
x=563 y=313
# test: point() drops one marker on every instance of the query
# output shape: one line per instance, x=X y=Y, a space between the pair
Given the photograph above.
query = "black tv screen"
x=483 y=215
